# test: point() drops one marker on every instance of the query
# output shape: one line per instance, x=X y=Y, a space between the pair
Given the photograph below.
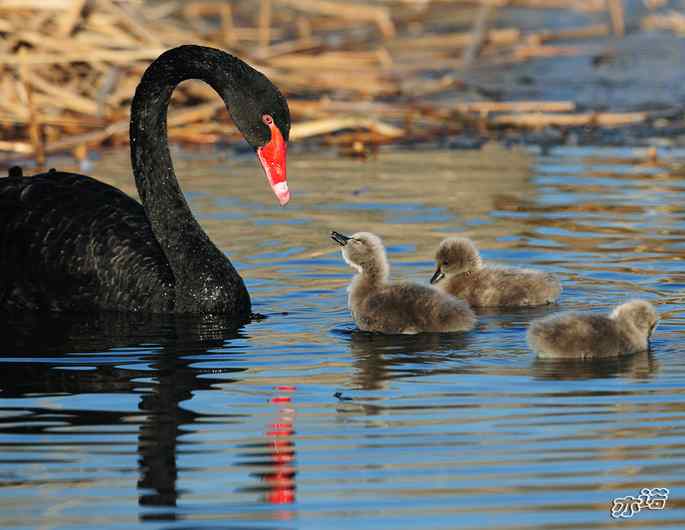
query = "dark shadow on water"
x=38 y=334
x=639 y=366
x=36 y=349
x=379 y=357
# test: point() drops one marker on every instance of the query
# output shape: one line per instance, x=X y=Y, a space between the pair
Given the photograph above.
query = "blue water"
x=298 y=420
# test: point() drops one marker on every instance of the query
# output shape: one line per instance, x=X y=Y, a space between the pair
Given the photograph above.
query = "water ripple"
x=299 y=420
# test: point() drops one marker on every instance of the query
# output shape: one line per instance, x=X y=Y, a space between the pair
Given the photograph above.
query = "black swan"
x=390 y=308
x=71 y=243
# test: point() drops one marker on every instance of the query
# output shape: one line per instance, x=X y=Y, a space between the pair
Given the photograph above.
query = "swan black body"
x=71 y=243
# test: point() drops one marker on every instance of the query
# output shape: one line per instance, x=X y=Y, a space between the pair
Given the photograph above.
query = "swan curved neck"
x=204 y=276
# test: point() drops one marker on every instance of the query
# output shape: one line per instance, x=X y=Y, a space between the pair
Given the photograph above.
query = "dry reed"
x=68 y=68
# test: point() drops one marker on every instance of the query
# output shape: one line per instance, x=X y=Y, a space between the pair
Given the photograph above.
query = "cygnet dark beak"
x=437 y=276
x=339 y=238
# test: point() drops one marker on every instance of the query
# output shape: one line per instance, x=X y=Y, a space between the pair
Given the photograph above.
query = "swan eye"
x=268 y=120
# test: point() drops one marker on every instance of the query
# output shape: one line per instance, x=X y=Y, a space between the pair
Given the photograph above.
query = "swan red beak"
x=272 y=157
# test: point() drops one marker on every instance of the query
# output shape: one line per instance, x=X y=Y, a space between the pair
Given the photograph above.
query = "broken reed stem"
x=617 y=16
x=87 y=56
x=65 y=98
x=597 y=119
x=35 y=132
x=673 y=21
x=71 y=17
x=325 y=126
x=484 y=107
x=16 y=147
x=227 y=27
x=355 y=11
x=264 y=26
x=478 y=34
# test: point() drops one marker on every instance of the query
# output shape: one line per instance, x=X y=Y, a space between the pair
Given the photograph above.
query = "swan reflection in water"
x=37 y=352
x=641 y=365
x=379 y=358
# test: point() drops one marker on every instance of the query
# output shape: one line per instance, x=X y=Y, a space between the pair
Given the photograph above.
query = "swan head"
x=259 y=110
x=639 y=313
x=364 y=252
x=455 y=255
x=261 y=113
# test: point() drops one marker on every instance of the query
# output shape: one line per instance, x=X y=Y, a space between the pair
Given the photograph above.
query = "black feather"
x=71 y=243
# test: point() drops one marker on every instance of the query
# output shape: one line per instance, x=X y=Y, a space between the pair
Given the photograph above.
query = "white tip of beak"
x=282 y=192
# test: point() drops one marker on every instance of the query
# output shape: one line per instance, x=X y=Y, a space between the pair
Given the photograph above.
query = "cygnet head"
x=455 y=255
x=364 y=252
x=639 y=313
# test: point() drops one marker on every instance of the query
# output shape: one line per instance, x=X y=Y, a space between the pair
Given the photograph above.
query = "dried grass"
x=68 y=68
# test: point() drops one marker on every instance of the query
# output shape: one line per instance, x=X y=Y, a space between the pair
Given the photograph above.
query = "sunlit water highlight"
x=300 y=421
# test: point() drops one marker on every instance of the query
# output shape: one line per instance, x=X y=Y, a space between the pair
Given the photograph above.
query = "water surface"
x=298 y=420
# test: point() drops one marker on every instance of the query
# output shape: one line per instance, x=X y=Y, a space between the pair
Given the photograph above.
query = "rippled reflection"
x=641 y=366
x=77 y=355
x=299 y=420
x=381 y=357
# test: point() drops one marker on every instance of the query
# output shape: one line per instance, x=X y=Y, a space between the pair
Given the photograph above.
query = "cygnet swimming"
x=377 y=305
x=461 y=272
x=586 y=335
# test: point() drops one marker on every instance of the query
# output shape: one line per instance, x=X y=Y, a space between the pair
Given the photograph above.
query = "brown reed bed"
x=356 y=74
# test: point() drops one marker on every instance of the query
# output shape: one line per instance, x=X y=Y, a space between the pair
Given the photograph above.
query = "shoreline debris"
x=376 y=72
